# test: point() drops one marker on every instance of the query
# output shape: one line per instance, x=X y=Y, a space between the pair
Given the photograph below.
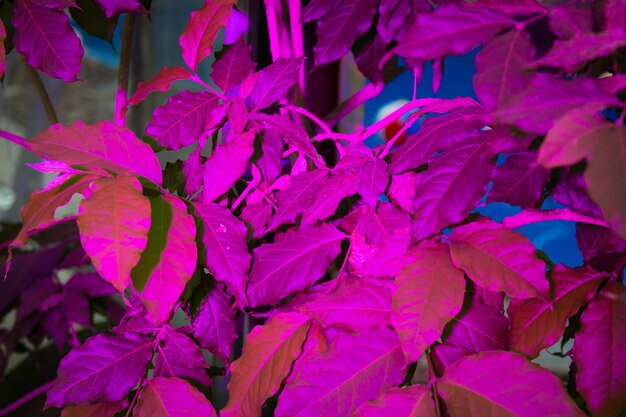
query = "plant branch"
x=530 y=216
x=382 y=123
x=431 y=369
x=43 y=94
x=123 y=72
x=26 y=398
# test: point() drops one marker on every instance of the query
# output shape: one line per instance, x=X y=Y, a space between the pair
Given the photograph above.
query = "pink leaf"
x=371 y=260
x=270 y=161
x=451 y=187
x=482 y=383
x=274 y=82
x=226 y=247
x=160 y=82
x=337 y=31
x=384 y=224
x=266 y=360
x=355 y=369
x=177 y=262
x=114 y=7
x=230 y=69
x=402 y=190
x=599 y=350
x=104 y=369
x=47 y=40
x=429 y=294
x=256 y=215
x=614 y=11
x=538 y=324
x=94 y=410
x=342 y=184
x=481 y=327
x=172 y=397
x=114 y=222
x=520 y=181
x=226 y=165
x=450 y=30
x=413 y=401
x=292 y=264
x=214 y=325
x=393 y=17
x=102 y=145
x=373 y=180
x=196 y=41
x=179 y=356
x=184 y=119
x=595 y=240
x=510 y=7
x=498 y=259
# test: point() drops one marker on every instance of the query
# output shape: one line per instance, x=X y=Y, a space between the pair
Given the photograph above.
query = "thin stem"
x=431 y=369
x=43 y=94
x=12 y=137
x=382 y=123
x=407 y=125
x=530 y=216
x=359 y=98
x=26 y=398
x=297 y=38
x=198 y=80
x=313 y=117
x=415 y=83
x=123 y=72
x=272 y=29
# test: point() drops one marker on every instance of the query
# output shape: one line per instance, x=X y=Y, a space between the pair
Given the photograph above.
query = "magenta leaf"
x=444 y=355
x=337 y=31
x=184 y=119
x=274 y=82
x=172 y=397
x=448 y=31
x=94 y=410
x=520 y=181
x=393 y=16
x=371 y=260
x=373 y=180
x=47 y=40
x=55 y=4
x=114 y=222
x=160 y=82
x=382 y=225
x=293 y=264
x=570 y=20
x=196 y=41
x=598 y=349
x=167 y=279
x=354 y=304
x=355 y=369
x=614 y=11
x=571 y=191
x=225 y=241
x=105 y=368
x=293 y=134
x=342 y=183
x=500 y=68
x=538 y=324
x=469 y=385
x=214 y=325
x=270 y=161
x=230 y=69
x=510 y=7
x=256 y=215
x=102 y=145
x=316 y=9
x=596 y=240
x=481 y=327
x=413 y=401
x=499 y=259
x=429 y=293
x=401 y=191
x=266 y=360
x=451 y=187
x=179 y=356
x=226 y=165
x=114 y=7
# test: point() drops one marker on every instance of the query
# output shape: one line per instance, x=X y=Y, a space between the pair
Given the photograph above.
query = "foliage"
x=352 y=269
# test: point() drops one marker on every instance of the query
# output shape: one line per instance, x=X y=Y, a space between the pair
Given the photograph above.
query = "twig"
x=26 y=398
x=18 y=140
x=195 y=78
x=313 y=117
x=431 y=369
x=121 y=97
x=382 y=123
x=43 y=94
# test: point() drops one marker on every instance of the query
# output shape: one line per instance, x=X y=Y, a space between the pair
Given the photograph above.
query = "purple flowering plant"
x=341 y=277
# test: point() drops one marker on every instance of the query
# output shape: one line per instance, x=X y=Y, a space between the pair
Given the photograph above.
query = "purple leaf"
x=355 y=369
x=266 y=360
x=114 y=7
x=481 y=327
x=292 y=264
x=614 y=11
x=90 y=284
x=184 y=118
x=498 y=259
x=337 y=31
x=444 y=355
x=257 y=216
x=226 y=248
x=342 y=184
x=236 y=27
x=94 y=410
x=500 y=68
x=393 y=16
x=400 y=402
x=384 y=224
x=510 y=7
x=47 y=40
x=55 y=4
x=449 y=31
x=538 y=324
x=520 y=181
x=214 y=325
x=571 y=19
x=378 y=261
x=172 y=397
x=230 y=69
x=469 y=385
x=595 y=240
x=104 y=369
x=368 y=60
x=226 y=165
x=598 y=351
x=291 y=133
x=102 y=145
x=451 y=187
x=177 y=262
x=179 y=356
x=316 y=9
x=114 y=222
x=160 y=82
x=571 y=191
x=270 y=161
x=274 y=82
x=196 y=41
x=429 y=294
x=373 y=180
x=402 y=190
